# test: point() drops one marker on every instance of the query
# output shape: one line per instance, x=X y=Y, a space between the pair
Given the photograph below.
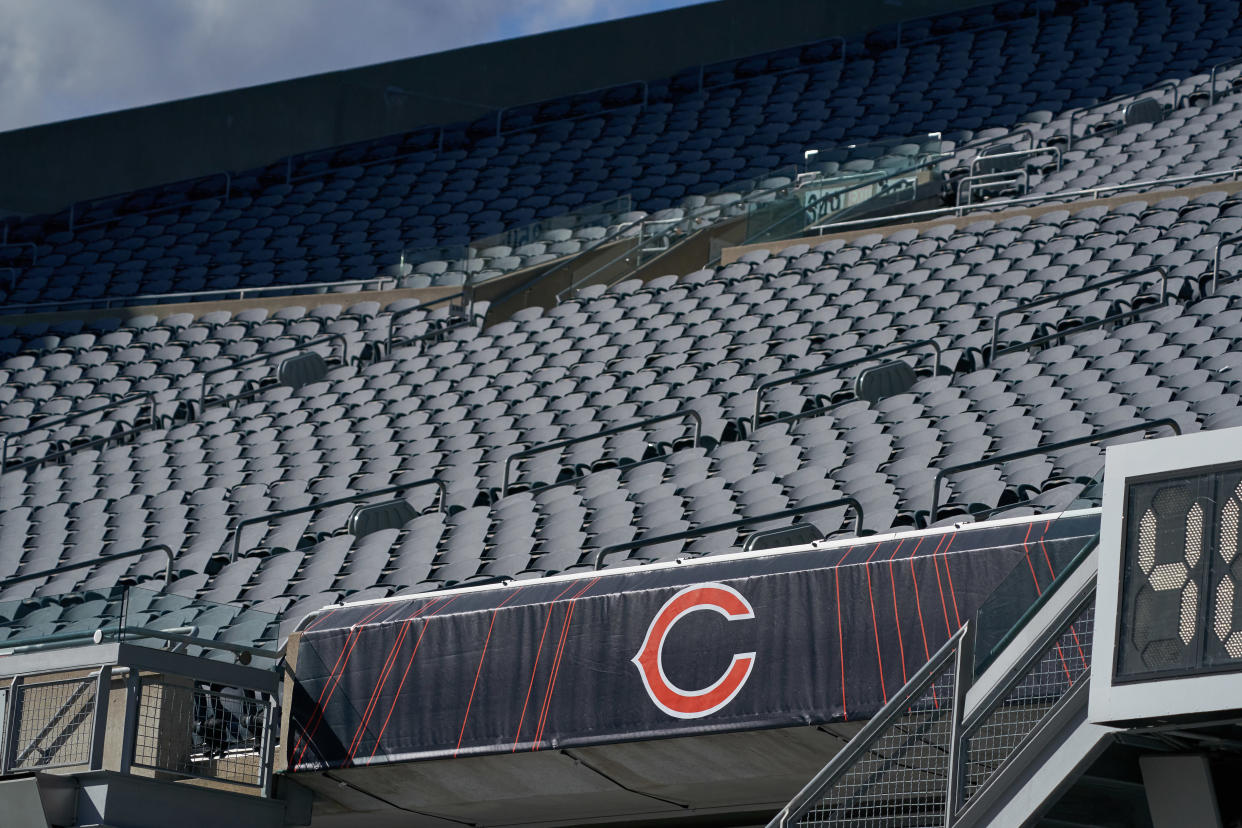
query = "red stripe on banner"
x=940 y=586
x=556 y=666
x=535 y=669
x=379 y=686
x=1047 y=560
x=952 y=592
x=897 y=615
x=334 y=680
x=389 y=663
x=397 y=695
x=320 y=619
x=556 y=663
x=479 y=671
x=841 y=644
x=1030 y=565
x=844 y=555
x=875 y=628
x=918 y=599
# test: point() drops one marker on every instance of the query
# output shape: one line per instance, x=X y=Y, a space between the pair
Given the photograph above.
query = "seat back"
x=302 y=369
x=374 y=517
x=884 y=380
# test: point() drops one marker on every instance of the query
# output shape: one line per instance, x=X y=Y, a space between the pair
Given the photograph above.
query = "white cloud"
x=62 y=59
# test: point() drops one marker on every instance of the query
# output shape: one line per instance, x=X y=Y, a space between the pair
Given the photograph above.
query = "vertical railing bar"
x=965 y=674
x=99 y=730
x=129 y=724
x=12 y=723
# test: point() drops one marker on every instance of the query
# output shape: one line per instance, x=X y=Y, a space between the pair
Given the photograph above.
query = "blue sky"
x=63 y=59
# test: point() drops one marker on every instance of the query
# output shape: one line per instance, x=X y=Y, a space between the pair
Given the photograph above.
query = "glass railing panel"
x=847 y=180
x=1063 y=544
x=136 y=615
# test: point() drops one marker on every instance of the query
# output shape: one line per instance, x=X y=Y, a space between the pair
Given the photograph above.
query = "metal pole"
x=103 y=689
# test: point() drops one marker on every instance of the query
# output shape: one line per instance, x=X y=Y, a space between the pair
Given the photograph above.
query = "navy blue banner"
x=768 y=641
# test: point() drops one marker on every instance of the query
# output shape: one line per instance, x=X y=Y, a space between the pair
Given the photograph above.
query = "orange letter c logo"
x=693 y=704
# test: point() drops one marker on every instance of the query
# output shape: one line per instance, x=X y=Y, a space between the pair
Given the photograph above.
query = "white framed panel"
x=1160 y=619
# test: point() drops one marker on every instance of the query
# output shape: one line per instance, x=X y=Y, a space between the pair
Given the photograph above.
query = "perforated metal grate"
x=189 y=729
x=54 y=724
x=902 y=777
x=992 y=739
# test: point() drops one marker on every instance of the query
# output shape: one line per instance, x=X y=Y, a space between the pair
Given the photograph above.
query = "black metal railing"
x=393 y=317
x=899 y=763
x=145 y=397
x=1055 y=668
x=1234 y=239
x=735 y=524
x=1085 y=326
x=600 y=435
x=103 y=559
x=57 y=456
x=255 y=360
x=831 y=369
x=996 y=459
x=1116 y=99
x=339 y=501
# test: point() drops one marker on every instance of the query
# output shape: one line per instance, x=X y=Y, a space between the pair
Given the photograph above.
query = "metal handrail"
x=572 y=441
x=177 y=637
x=595 y=211
x=1012 y=136
x=1056 y=298
x=619 y=232
x=196 y=295
x=1234 y=239
x=736 y=524
x=1016 y=674
x=34 y=256
x=1041 y=150
x=978 y=182
x=1132 y=96
x=898 y=705
x=995 y=459
x=436 y=333
x=1225 y=65
x=35 y=462
x=115 y=556
x=675 y=226
x=1019 y=201
x=74 y=227
x=147 y=396
x=257 y=358
x=340 y=501
x=392 y=317
x=829 y=369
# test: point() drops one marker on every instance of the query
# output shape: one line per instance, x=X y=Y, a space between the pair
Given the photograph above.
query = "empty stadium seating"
x=407 y=207
x=182 y=430
x=457 y=406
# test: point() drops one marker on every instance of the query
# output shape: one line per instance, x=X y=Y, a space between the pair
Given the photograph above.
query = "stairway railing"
x=899 y=762
x=927 y=758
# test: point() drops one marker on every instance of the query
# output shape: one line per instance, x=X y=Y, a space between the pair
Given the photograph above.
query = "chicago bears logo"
x=693 y=704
